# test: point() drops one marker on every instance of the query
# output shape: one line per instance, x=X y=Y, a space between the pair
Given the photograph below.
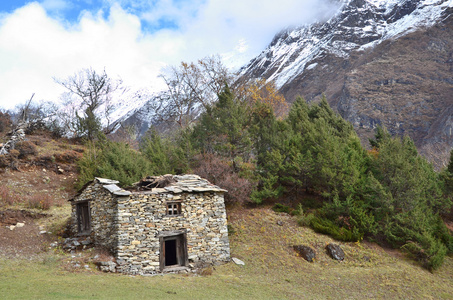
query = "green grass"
x=25 y=280
x=272 y=271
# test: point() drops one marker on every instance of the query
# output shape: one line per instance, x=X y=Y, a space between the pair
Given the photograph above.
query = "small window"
x=83 y=217
x=173 y=208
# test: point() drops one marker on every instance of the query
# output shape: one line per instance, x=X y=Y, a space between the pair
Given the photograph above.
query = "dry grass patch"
x=368 y=270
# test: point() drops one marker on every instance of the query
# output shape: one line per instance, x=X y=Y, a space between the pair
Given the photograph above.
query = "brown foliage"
x=374 y=152
x=9 y=160
x=4 y=161
x=265 y=93
x=7 y=197
x=40 y=201
x=69 y=156
x=26 y=148
x=5 y=122
x=221 y=173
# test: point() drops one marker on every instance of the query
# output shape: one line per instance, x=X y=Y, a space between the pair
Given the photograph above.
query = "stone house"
x=166 y=223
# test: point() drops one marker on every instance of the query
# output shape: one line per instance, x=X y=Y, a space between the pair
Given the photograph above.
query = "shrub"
x=113 y=160
x=305 y=220
x=14 y=153
x=9 y=160
x=220 y=173
x=430 y=255
x=4 y=161
x=282 y=208
x=26 y=148
x=326 y=226
x=69 y=156
x=5 y=121
x=7 y=197
x=40 y=201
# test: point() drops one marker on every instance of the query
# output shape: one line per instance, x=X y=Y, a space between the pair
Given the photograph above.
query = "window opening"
x=173 y=208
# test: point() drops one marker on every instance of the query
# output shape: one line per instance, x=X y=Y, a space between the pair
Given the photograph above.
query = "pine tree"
x=223 y=128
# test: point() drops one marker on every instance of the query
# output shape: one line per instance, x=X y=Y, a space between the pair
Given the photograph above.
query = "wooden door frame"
x=181 y=249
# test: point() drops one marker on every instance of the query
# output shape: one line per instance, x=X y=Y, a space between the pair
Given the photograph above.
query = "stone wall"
x=142 y=219
x=103 y=214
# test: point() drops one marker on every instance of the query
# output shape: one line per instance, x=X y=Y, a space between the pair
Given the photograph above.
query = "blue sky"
x=132 y=39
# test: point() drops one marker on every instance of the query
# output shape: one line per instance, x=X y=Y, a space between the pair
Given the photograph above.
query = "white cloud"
x=35 y=47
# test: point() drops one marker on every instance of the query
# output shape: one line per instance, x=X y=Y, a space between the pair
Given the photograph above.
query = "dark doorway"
x=83 y=217
x=173 y=251
x=171 y=257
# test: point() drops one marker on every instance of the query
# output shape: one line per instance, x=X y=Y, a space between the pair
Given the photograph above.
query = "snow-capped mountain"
x=378 y=62
x=359 y=25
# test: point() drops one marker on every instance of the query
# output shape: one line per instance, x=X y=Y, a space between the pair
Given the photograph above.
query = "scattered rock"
x=18 y=225
x=335 y=251
x=106 y=266
x=306 y=252
x=238 y=261
x=60 y=170
x=279 y=223
x=12 y=227
x=71 y=244
x=42 y=232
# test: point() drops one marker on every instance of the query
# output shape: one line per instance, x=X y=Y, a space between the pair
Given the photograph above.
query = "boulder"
x=335 y=251
x=238 y=261
x=306 y=252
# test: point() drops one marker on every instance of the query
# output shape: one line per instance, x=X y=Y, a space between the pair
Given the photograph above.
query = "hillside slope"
x=262 y=238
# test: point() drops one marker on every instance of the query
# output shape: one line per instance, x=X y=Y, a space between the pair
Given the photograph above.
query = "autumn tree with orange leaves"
x=264 y=92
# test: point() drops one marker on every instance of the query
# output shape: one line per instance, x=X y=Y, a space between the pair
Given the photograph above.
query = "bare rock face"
x=335 y=251
x=306 y=252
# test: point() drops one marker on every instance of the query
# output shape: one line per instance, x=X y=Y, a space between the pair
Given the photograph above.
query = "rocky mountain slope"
x=378 y=62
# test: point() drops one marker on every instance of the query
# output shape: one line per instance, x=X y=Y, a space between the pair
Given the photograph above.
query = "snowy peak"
x=358 y=25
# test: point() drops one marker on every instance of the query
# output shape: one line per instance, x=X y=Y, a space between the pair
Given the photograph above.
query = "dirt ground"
x=22 y=242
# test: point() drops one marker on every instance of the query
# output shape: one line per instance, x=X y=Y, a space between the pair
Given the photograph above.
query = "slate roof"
x=191 y=183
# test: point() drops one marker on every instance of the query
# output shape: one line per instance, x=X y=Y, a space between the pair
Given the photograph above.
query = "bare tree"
x=34 y=115
x=190 y=89
x=87 y=101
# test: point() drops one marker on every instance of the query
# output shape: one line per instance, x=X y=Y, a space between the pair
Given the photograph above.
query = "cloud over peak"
x=133 y=39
